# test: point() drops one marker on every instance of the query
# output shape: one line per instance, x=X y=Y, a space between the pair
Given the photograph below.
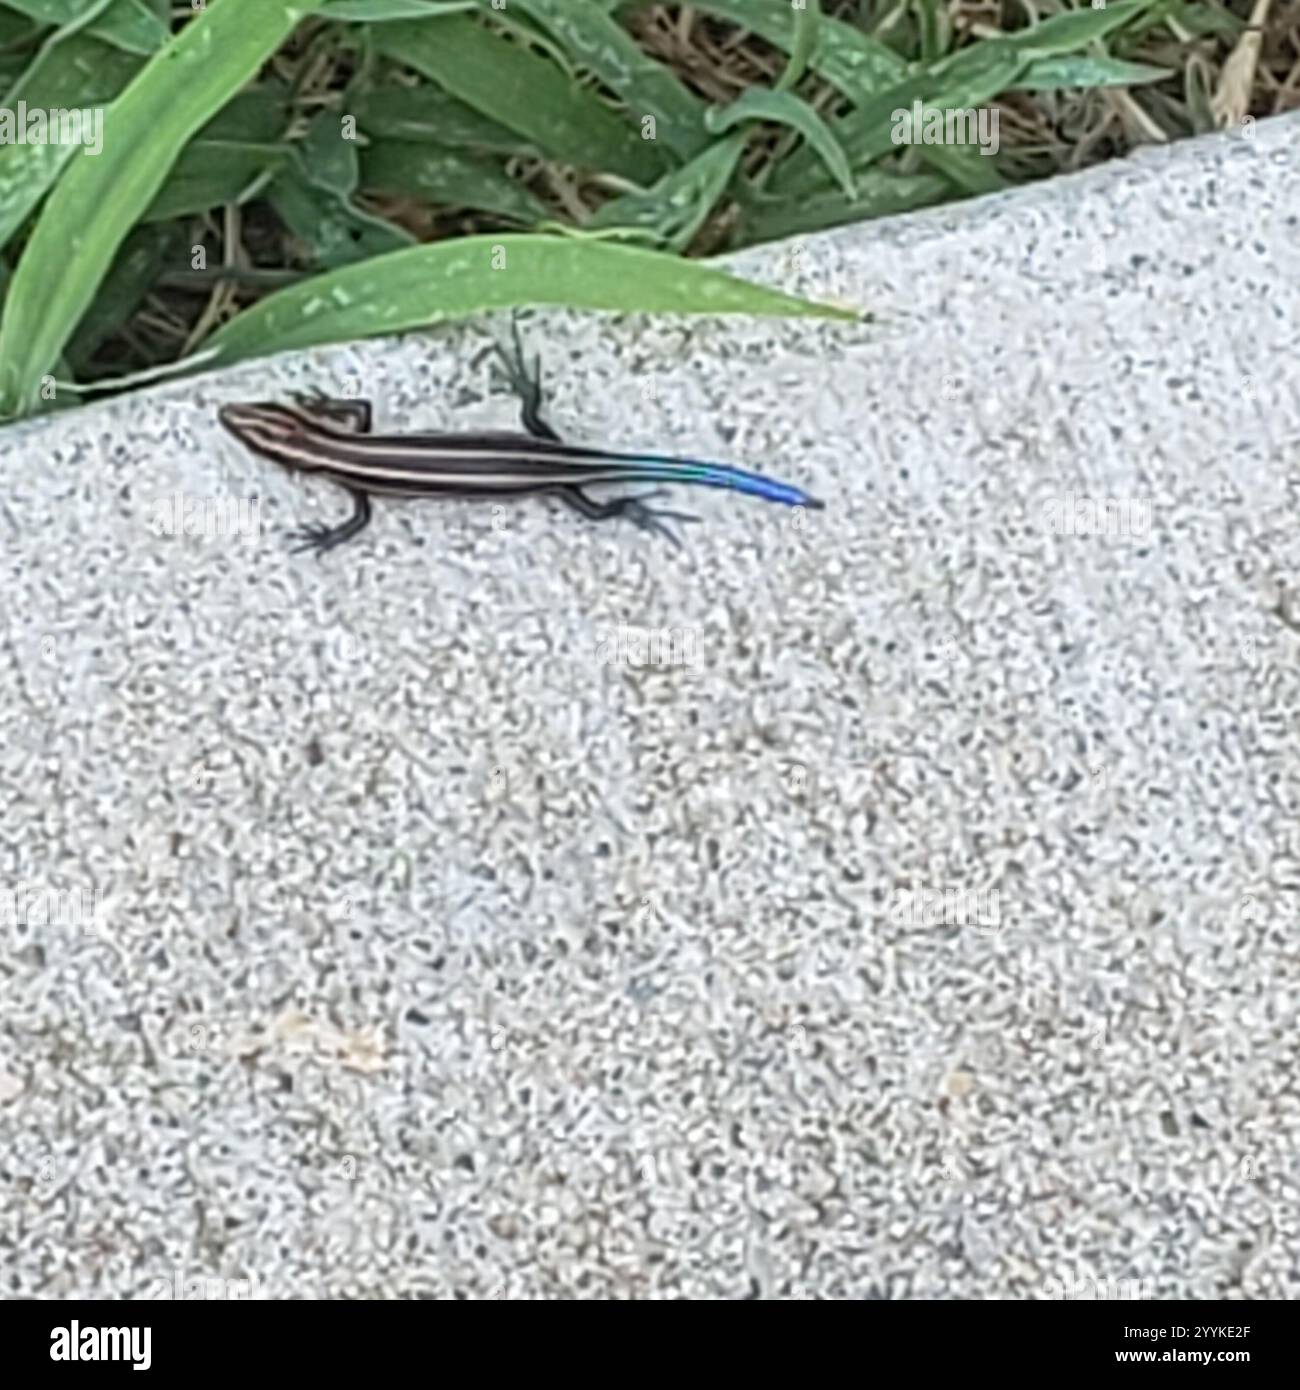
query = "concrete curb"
x=923 y=928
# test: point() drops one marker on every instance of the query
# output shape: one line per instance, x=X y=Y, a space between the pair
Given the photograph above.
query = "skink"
x=331 y=436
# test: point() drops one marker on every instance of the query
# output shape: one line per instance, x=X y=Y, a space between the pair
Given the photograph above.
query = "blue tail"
x=724 y=476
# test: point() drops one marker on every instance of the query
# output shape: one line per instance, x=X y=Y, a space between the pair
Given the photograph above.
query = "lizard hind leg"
x=631 y=509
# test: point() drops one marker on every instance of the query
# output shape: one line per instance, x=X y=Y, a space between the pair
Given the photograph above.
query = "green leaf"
x=329 y=161
x=425 y=113
x=672 y=212
x=1064 y=33
x=648 y=88
x=869 y=132
x=379 y=11
x=15 y=29
x=1195 y=19
x=335 y=232
x=259 y=114
x=509 y=84
x=807 y=19
x=78 y=73
x=932 y=15
x=126 y=24
x=858 y=66
x=448 y=177
x=211 y=173
x=433 y=284
x=787 y=109
x=100 y=198
x=878 y=195
x=236 y=148
x=132 y=275
x=1083 y=70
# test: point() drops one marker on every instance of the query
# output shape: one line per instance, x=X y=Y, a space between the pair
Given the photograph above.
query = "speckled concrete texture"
x=896 y=901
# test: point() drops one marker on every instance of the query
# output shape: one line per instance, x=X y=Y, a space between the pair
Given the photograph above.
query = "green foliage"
x=320 y=142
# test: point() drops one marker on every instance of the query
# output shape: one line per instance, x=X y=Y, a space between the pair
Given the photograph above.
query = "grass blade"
x=1083 y=70
x=131 y=277
x=595 y=43
x=76 y=73
x=324 y=221
x=450 y=178
x=432 y=284
x=859 y=67
x=211 y=173
x=878 y=195
x=511 y=85
x=126 y=24
x=672 y=212
x=424 y=113
x=807 y=18
x=991 y=67
x=379 y=11
x=99 y=199
x=785 y=108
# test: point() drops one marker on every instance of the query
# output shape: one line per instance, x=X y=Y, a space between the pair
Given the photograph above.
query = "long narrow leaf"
x=785 y=108
x=210 y=173
x=335 y=232
x=100 y=198
x=597 y=44
x=450 y=178
x=129 y=280
x=1083 y=70
x=807 y=18
x=505 y=82
x=378 y=11
x=858 y=66
x=868 y=133
x=424 y=113
x=228 y=156
x=674 y=210
x=126 y=24
x=878 y=195
x=432 y=284
x=79 y=73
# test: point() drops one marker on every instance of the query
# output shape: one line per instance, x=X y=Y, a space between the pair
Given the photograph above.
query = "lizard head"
x=276 y=431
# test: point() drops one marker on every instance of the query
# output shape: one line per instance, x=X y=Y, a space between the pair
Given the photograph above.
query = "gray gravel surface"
x=892 y=901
